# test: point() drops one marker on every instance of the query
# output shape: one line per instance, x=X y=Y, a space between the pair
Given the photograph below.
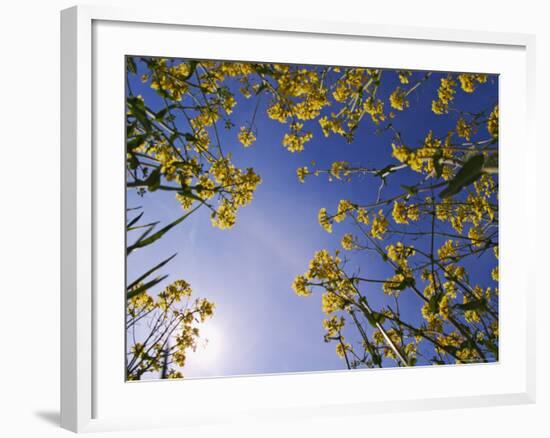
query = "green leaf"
x=433 y=303
x=134 y=142
x=134 y=220
x=162 y=113
x=375 y=318
x=411 y=190
x=150 y=271
x=142 y=237
x=148 y=240
x=478 y=305
x=132 y=161
x=468 y=174
x=192 y=68
x=153 y=180
x=137 y=109
x=437 y=162
x=190 y=137
x=131 y=65
x=132 y=293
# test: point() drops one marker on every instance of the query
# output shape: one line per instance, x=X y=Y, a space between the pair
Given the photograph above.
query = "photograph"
x=298 y=218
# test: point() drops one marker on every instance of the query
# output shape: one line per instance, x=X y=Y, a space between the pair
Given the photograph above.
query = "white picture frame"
x=91 y=390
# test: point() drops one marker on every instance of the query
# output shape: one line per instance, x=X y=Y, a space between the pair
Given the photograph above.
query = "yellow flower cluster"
x=350 y=84
x=468 y=81
x=445 y=94
x=333 y=125
x=238 y=184
x=324 y=220
x=399 y=253
x=142 y=302
x=475 y=234
x=279 y=111
x=334 y=325
x=326 y=271
x=171 y=307
x=206 y=188
x=425 y=159
x=341 y=348
x=338 y=168
x=302 y=172
x=344 y=207
x=398 y=99
x=447 y=250
x=375 y=108
x=494 y=273
x=205 y=309
x=348 y=242
x=294 y=140
x=395 y=284
x=174 y=292
x=379 y=226
x=246 y=136
x=463 y=129
x=433 y=319
x=300 y=286
x=363 y=216
x=404 y=76
x=171 y=80
x=403 y=213
x=492 y=123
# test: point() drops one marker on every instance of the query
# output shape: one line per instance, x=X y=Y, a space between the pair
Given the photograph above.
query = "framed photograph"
x=272 y=218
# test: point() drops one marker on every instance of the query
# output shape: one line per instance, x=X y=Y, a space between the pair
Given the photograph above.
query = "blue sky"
x=260 y=325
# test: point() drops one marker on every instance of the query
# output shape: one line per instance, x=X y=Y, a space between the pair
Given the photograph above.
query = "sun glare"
x=209 y=345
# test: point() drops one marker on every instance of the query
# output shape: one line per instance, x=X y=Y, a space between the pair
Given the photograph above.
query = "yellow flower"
x=300 y=286
x=295 y=140
x=173 y=374
x=399 y=253
x=468 y=81
x=348 y=242
x=324 y=220
x=302 y=172
x=330 y=302
x=447 y=250
x=379 y=226
x=278 y=112
x=206 y=309
x=444 y=307
x=476 y=236
x=402 y=213
x=363 y=216
x=246 y=136
x=344 y=207
x=492 y=123
x=398 y=99
x=225 y=216
x=404 y=76
x=333 y=325
x=341 y=349
x=339 y=167
x=332 y=125
x=445 y=94
x=375 y=108
x=463 y=129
